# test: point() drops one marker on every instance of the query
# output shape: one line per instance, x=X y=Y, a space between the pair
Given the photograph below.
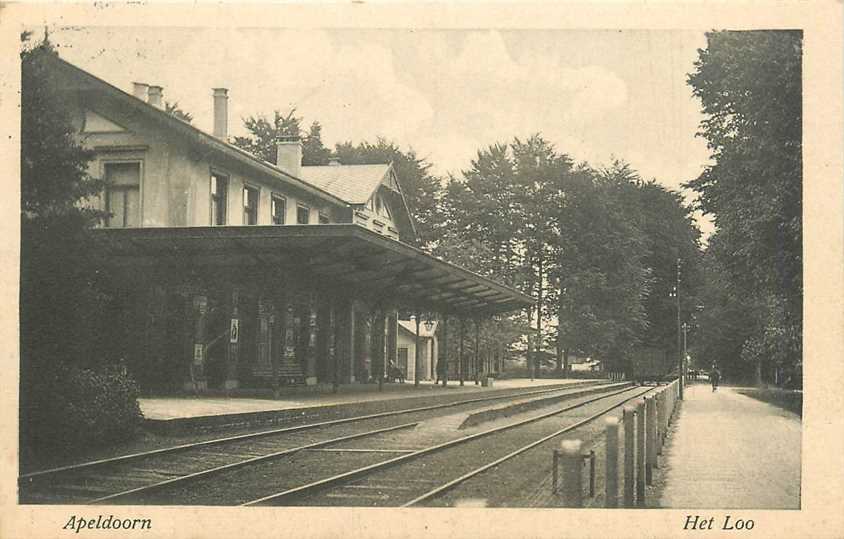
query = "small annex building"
x=235 y=272
x=428 y=348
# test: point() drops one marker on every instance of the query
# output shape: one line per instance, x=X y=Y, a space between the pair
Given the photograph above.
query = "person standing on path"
x=715 y=376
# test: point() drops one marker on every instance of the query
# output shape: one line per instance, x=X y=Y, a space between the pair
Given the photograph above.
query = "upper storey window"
x=123 y=194
x=219 y=197
x=250 y=206
x=323 y=219
x=303 y=215
x=279 y=207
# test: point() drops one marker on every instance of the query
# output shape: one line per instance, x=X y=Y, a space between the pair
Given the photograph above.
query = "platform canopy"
x=333 y=257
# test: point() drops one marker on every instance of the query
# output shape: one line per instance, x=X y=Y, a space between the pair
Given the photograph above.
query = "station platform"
x=176 y=414
x=730 y=451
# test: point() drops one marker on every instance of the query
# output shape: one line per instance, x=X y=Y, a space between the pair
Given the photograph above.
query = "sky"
x=594 y=94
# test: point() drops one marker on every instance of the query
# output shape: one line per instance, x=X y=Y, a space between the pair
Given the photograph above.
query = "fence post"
x=658 y=422
x=612 y=462
x=640 y=453
x=629 y=454
x=650 y=425
x=572 y=462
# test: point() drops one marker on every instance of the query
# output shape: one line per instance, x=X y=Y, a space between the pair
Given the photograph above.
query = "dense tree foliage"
x=749 y=85
x=56 y=274
x=71 y=397
x=596 y=248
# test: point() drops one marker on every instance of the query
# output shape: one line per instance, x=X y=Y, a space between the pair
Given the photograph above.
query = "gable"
x=95 y=123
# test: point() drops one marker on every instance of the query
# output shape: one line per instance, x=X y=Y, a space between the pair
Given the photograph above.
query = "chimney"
x=156 y=96
x=334 y=162
x=139 y=90
x=221 y=113
x=289 y=155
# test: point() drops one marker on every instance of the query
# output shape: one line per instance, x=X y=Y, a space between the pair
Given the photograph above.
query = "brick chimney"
x=221 y=112
x=289 y=155
x=156 y=96
x=139 y=90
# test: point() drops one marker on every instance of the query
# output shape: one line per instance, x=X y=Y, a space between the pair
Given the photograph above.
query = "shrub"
x=72 y=409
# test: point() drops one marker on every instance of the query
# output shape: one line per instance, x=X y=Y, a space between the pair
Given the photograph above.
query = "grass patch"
x=783 y=398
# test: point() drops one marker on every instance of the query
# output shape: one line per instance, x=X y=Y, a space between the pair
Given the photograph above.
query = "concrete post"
x=311 y=344
x=640 y=453
x=477 y=345
x=572 y=465
x=233 y=341
x=629 y=454
x=392 y=340
x=333 y=340
x=442 y=353
x=349 y=342
x=196 y=370
x=658 y=414
x=417 y=367
x=612 y=462
x=460 y=370
x=650 y=426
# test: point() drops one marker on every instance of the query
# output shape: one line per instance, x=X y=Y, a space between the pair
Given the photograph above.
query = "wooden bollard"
x=640 y=453
x=572 y=464
x=612 y=462
x=650 y=426
x=629 y=454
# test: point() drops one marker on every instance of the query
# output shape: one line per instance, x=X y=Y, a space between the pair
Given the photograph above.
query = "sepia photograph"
x=457 y=268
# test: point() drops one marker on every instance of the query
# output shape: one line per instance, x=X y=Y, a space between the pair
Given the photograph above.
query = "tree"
x=749 y=85
x=601 y=276
x=71 y=397
x=56 y=271
x=265 y=134
x=175 y=110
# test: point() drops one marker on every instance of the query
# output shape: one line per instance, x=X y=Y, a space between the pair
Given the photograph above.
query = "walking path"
x=729 y=451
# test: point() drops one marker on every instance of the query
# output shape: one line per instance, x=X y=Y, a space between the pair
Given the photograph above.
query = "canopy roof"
x=338 y=256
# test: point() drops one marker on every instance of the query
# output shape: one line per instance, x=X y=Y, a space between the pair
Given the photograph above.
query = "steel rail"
x=309 y=488
x=296 y=428
x=451 y=484
x=254 y=460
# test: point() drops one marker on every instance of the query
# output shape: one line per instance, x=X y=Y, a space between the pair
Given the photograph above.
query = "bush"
x=72 y=409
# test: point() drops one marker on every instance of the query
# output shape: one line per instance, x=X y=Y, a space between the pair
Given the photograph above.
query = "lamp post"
x=680 y=352
x=429 y=328
x=685 y=353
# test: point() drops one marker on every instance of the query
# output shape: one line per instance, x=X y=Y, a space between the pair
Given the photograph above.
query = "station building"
x=235 y=272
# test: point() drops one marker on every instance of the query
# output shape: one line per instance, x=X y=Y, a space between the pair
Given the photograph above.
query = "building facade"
x=231 y=271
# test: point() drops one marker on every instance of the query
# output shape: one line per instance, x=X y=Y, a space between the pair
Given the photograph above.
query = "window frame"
x=274 y=197
x=220 y=174
x=305 y=207
x=105 y=202
x=323 y=218
x=251 y=187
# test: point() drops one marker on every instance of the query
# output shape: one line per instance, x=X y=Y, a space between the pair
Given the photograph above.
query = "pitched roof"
x=353 y=183
x=195 y=134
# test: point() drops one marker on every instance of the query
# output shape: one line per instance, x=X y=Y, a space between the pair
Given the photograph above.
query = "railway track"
x=417 y=477
x=140 y=475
